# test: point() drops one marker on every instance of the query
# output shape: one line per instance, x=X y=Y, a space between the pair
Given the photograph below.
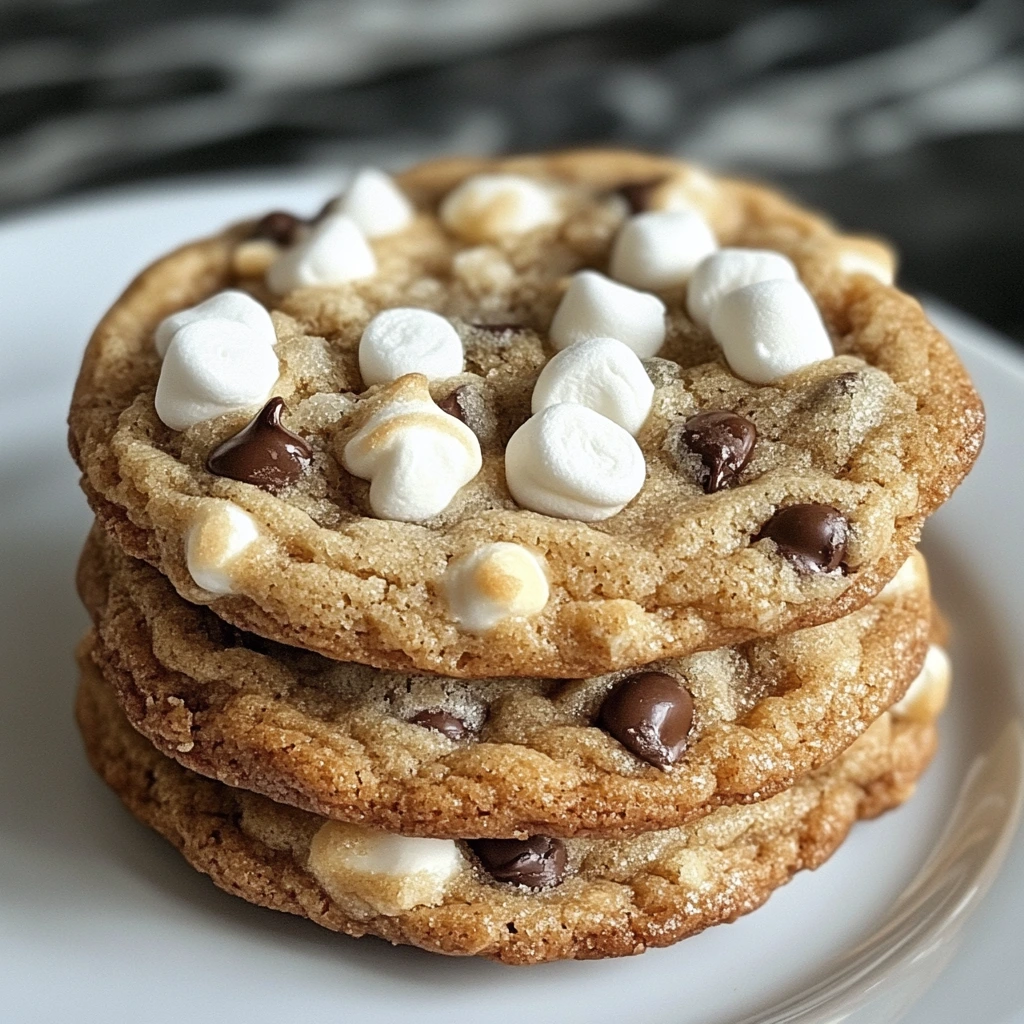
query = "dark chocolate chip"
x=441 y=721
x=638 y=193
x=724 y=441
x=845 y=383
x=452 y=404
x=812 y=536
x=263 y=452
x=651 y=714
x=535 y=862
x=278 y=226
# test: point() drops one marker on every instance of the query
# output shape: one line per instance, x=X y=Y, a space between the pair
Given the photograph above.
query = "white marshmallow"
x=853 y=262
x=226 y=305
x=415 y=456
x=486 y=207
x=770 y=329
x=660 y=249
x=213 y=367
x=729 y=269
x=334 y=251
x=602 y=374
x=375 y=203
x=401 y=341
x=571 y=462
x=928 y=693
x=219 y=534
x=496 y=582
x=912 y=574
x=595 y=307
x=390 y=872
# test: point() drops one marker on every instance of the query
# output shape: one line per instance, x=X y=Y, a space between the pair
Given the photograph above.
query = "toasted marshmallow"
x=928 y=693
x=391 y=873
x=226 y=305
x=375 y=203
x=334 y=251
x=851 y=261
x=769 y=329
x=415 y=456
x=660 y=249
x=213 y=367
x=602 y=374
x=486 y=207
x=728 y=269
x=595 y=307
x=400 y=341
x=219 y=534
x=571 y=462
x=496 y=582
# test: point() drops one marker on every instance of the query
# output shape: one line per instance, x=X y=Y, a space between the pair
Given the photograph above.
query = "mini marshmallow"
x=375 y=203
x=496 y=582
x=391 y=873
x=602 y=374
x=928 y=693
x=770 y=329
x=401 y=341
x=571 y=462
x=213 y=367
x=486 y=207
x=226 y=305
x=729 y=269
x=415 y=456
x=913 y=573
x=334 y=251
x=595 y=307
x=660 y=249
x=219 y=534
x=853 y=262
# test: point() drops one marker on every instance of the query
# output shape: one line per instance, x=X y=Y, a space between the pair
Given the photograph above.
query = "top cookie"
x=540 y=416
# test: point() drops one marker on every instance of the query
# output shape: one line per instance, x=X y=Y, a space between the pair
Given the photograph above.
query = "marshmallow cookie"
x=615 y=754
x=552 y=416
x=519 y=900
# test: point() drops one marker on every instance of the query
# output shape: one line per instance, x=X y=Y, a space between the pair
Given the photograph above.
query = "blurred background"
x=901 y=118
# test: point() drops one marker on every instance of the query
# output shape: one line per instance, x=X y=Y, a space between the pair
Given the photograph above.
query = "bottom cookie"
x=576 y=899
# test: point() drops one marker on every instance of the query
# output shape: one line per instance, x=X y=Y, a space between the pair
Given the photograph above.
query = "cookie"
x=625 y=752
x=499 y=421
x=515 y=901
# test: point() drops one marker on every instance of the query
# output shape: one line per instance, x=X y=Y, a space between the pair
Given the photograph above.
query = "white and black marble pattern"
x=902 y=118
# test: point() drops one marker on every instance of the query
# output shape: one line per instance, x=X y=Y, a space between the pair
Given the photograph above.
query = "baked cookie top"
x=547 y=416
x=625 y=752
x=517 y=902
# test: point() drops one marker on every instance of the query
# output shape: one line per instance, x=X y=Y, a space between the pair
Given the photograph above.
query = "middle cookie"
x=425 y=755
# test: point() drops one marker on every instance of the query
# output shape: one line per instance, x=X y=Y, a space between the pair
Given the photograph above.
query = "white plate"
x=101 y=920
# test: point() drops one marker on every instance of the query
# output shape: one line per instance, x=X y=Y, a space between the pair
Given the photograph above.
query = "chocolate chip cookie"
x=517 y=901
x=552 y=416
x=610 y=755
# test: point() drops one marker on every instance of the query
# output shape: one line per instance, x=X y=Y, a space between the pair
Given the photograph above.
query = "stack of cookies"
x=516 y=558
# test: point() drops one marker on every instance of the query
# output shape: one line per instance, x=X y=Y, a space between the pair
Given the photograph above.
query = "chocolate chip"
x=263 y=452
x=278 y=226
x=452 y=404
x=845 y=383
x=441 y=721
x=724 y=441
x=324 y=210
x=651 y=714
x=535 y=862
x=638 y=193
x=812 y=536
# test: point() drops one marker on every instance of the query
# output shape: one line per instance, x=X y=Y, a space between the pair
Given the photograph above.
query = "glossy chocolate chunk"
x=812 y=536
x=535 y=862
x=263 y=452
x=638 y=193
x=441 y=721
x=650 y=714
x=278 y=226
x=724 y=441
